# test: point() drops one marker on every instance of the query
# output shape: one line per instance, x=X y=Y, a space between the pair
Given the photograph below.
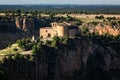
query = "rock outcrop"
x=28 y=24
x=102 y=29
x=87 y=59
x=25 y=24
x=19 y=23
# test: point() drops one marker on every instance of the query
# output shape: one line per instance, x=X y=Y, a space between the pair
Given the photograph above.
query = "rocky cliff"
x=102 y=29
x=12 y=29
x=10 y=38
x=25 y=24
x=19 y=23
x=83 y=60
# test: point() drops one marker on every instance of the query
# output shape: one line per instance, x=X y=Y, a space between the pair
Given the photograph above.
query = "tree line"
x=63 y=9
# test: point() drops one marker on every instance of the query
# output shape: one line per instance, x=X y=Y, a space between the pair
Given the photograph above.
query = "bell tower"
x=54 y=25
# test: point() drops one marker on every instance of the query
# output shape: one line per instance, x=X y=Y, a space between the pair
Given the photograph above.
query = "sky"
x=59 y=1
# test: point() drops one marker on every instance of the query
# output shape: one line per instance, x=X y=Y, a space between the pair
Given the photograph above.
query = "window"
x=49 y=35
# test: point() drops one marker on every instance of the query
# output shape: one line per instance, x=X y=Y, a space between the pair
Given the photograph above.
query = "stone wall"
x=61 y=31
x=72 y=32
x=47 y=32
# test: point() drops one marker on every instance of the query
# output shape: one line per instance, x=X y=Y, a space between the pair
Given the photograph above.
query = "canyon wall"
x=84 y=60
x=13 y=29
x=25 y=24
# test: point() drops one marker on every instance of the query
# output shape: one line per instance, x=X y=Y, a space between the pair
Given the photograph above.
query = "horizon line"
x=59 y=4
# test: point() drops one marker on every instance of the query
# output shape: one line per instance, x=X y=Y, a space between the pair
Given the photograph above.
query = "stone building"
x=59 y=29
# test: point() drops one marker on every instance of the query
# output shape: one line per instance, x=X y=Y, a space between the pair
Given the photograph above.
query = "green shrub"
x=99 y=17
x=34 y=49
x=84 y=30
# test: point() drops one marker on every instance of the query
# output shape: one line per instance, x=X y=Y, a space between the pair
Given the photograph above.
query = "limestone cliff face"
x=28 y=24
x=25 y=24
x=19 y=23
x=10 y=38
x=84 y=60
x=102 y=29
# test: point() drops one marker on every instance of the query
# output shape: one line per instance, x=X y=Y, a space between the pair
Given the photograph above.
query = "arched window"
x=49 y=35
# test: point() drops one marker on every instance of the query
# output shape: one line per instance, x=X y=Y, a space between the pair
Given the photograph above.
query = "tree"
x=18 y=56
x=94 y=22
x=39 y=45
x=39 y=15
x=26 y=13
x=99 y=17
x=51 y=15
x=84 y=30
x=21 y=43
x=65 y=40
x=13 y=13
x=56 y=38
x=113 y=23
x=18 y=12
x=54 y=44
x=34 y=49
x=68 y=18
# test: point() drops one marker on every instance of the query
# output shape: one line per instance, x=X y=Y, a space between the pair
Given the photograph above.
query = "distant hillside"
x=87 y=9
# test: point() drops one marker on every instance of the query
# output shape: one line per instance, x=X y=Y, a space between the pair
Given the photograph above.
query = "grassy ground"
x=90 y=20
x=2 y=14
x=89 y=17
x=82 y=17
x=93 y=15
x=13 y=50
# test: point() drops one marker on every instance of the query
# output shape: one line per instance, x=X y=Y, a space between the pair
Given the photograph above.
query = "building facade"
x=59 y=29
